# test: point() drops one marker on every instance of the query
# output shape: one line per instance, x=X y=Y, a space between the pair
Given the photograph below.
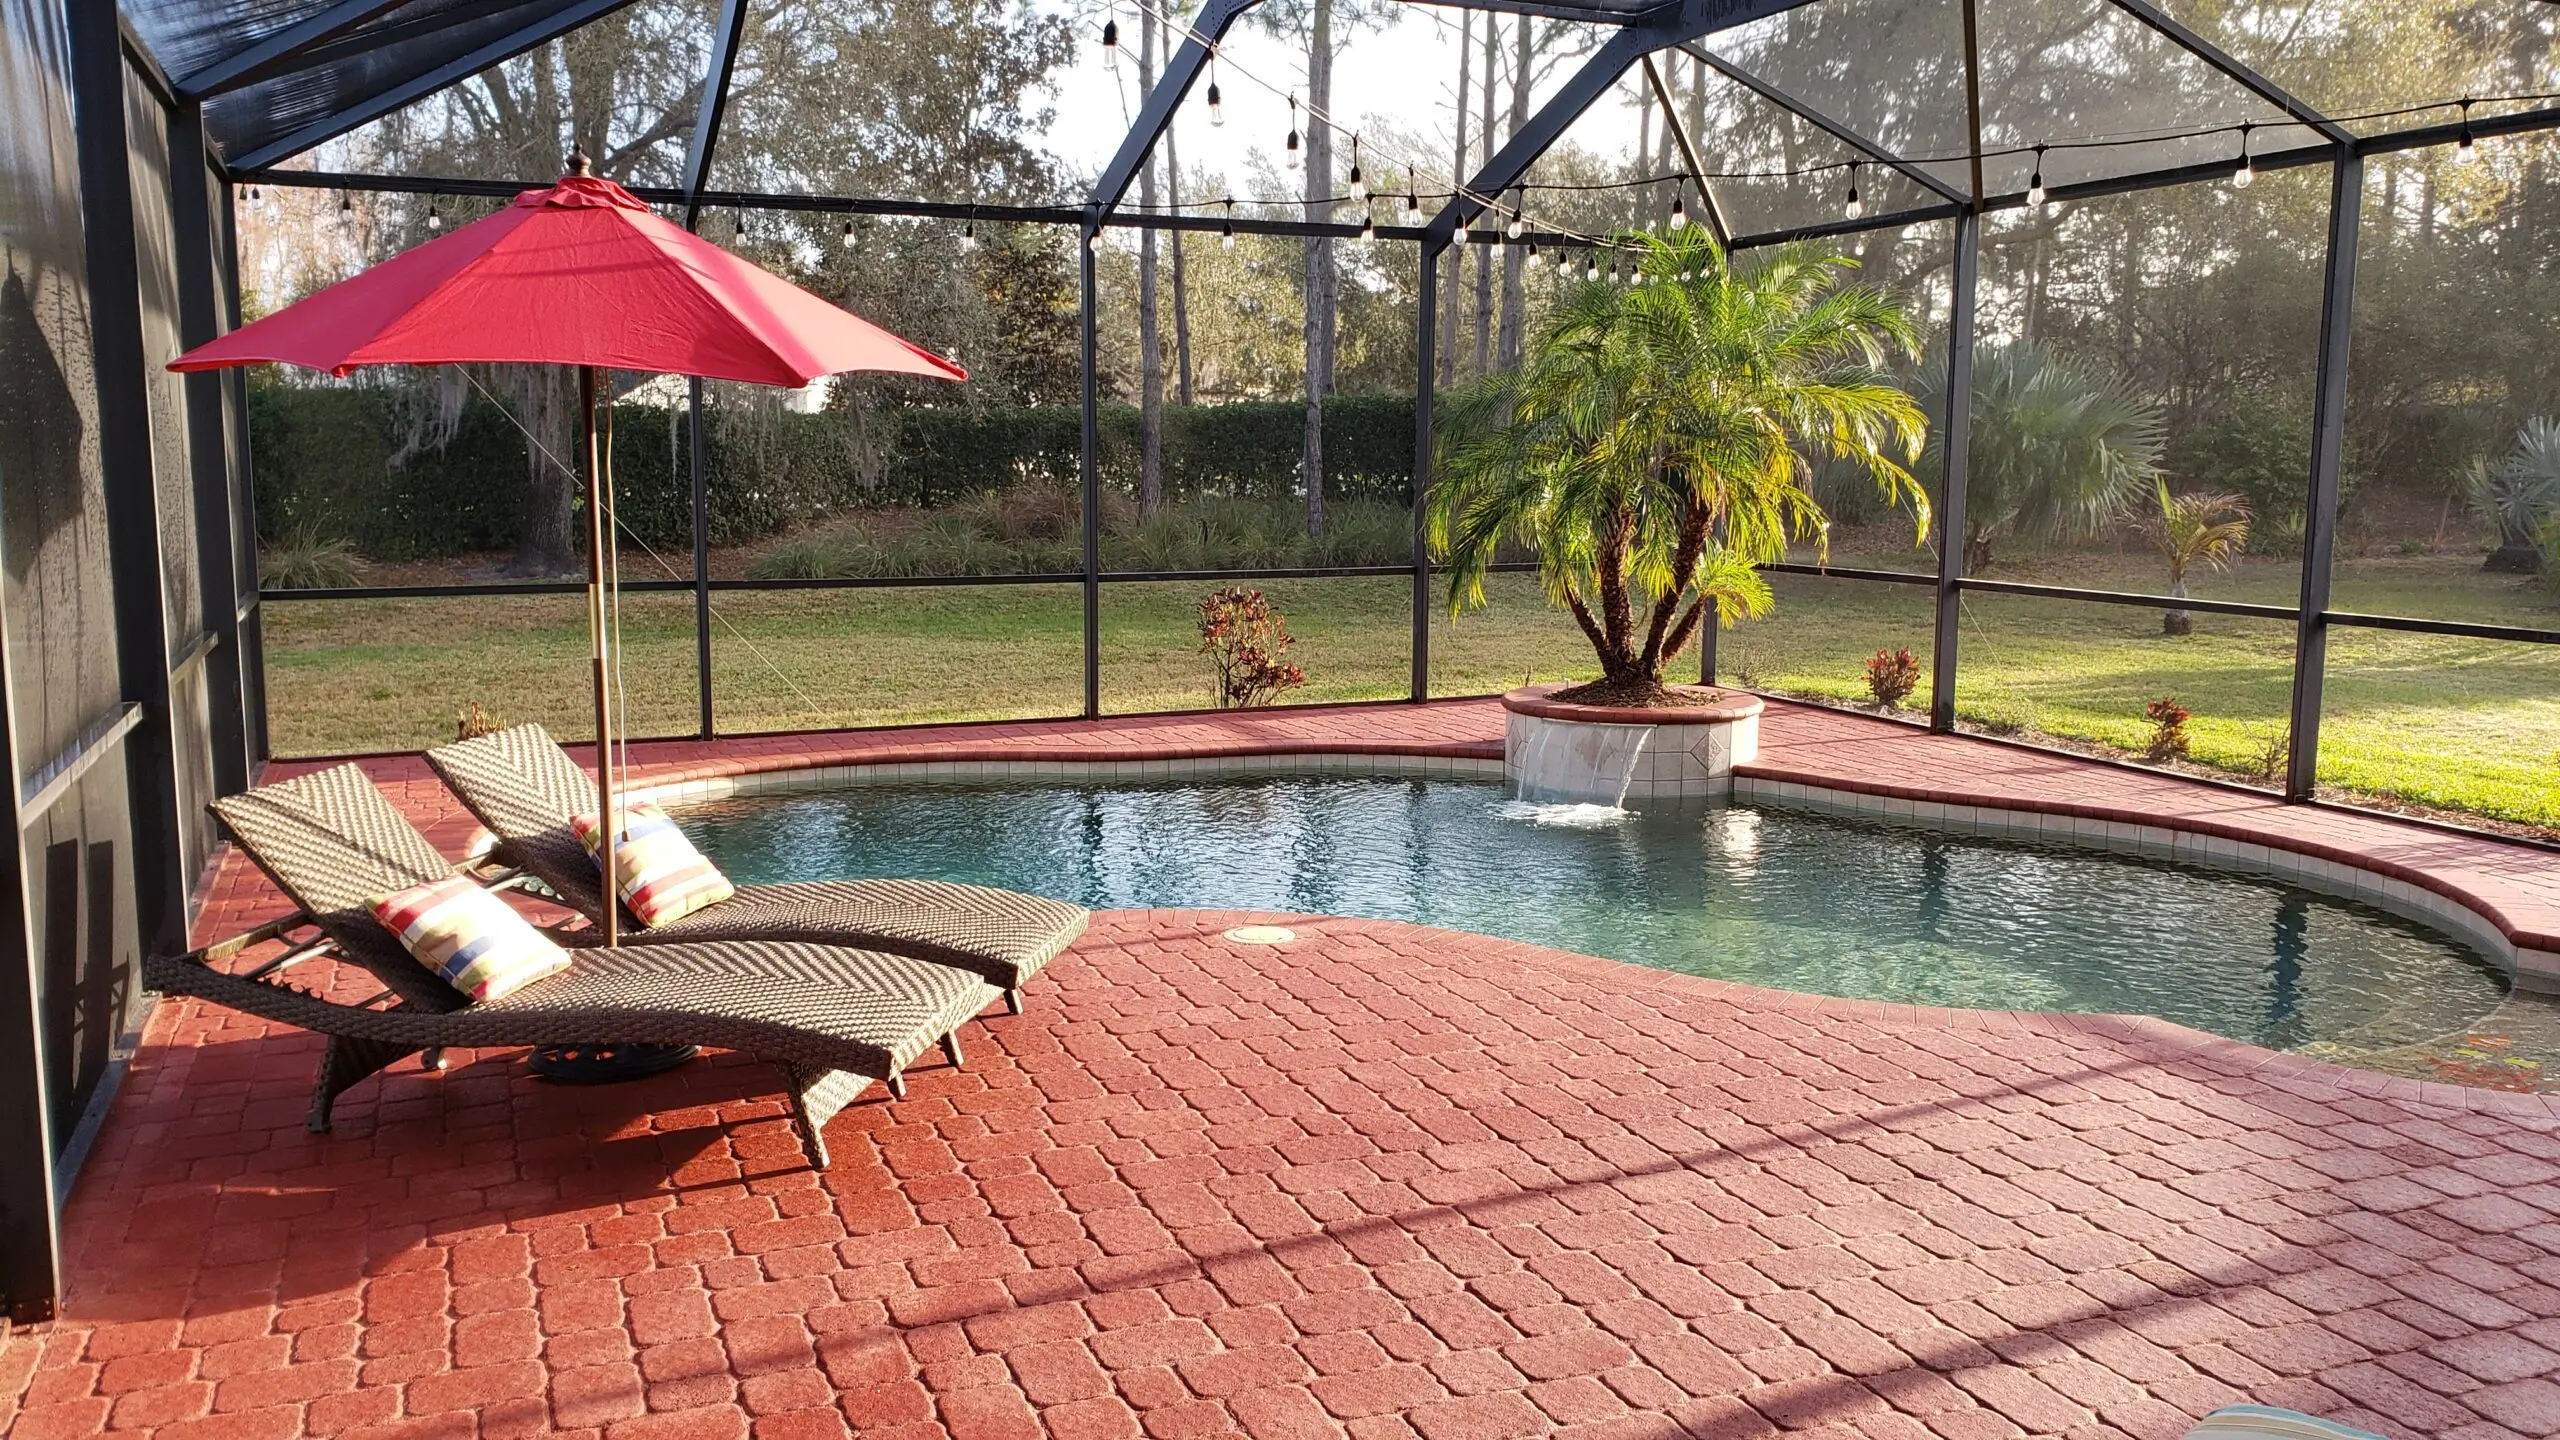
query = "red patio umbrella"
x=580 y=274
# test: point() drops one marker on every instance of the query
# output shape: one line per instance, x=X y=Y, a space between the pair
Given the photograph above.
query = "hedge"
x=323 y=456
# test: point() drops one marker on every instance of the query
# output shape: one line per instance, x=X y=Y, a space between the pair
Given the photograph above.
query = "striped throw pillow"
x=662 y=877
x=2262 y=1422
x=480 y=945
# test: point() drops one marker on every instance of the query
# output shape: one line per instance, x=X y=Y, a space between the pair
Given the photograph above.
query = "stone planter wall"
x=1576 y=753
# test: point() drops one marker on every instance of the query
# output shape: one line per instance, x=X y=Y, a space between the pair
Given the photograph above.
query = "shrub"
x=2275 y=747
x=2168 y=729
x=307 y=560
x=1244 y=635
x=1891 y=676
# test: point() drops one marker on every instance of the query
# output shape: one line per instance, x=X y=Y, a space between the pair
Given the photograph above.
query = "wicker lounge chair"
x=525 y=788
x=833 y=1019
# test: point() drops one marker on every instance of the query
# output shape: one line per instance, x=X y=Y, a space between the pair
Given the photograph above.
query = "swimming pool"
x=1762 y=895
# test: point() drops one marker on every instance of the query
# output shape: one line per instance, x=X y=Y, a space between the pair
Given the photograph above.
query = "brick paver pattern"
x=1384 y=1181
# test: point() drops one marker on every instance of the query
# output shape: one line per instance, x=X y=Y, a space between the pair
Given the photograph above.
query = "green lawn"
x=2458 y=724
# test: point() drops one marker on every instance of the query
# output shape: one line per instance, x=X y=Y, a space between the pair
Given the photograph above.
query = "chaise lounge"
x=832 y=1019
x=526 y=789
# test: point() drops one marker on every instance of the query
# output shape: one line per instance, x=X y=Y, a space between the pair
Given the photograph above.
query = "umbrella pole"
x=606 y=812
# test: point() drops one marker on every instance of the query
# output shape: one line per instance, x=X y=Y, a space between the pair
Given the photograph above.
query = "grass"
x=2458 y=724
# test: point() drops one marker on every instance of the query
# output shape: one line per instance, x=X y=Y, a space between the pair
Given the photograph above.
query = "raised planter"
x=1556 y=751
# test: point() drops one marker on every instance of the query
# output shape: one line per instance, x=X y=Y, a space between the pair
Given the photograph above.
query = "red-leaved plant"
x=1245 y=637
x=1891 y=676
x=2168 y=729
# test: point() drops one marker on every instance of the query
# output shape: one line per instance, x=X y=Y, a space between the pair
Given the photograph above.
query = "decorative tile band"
x=2532 y=969
x=682 y=791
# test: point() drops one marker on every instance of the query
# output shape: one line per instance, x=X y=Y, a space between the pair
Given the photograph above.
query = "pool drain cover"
x=1262 y=935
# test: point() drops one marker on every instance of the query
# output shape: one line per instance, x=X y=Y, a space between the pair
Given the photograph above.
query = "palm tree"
x=1654 y=447
x=2057 y=451
x=2519 y=496
x=2195 y=530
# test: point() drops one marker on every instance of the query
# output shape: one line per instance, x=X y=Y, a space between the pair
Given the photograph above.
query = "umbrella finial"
x=579 y=164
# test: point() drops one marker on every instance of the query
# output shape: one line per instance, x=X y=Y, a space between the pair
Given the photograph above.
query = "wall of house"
x=120 y=640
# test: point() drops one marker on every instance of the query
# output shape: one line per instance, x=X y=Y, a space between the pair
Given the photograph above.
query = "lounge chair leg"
x=433 y=1058
x=816 y=1095
x=951 y=1048
x=342 y=1066
x=1013 y=1001
x=898 y=1084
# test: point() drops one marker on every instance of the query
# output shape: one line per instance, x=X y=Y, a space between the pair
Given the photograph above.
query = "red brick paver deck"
x=1383 y=1182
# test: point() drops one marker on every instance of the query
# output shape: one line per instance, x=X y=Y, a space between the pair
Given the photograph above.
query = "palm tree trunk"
x=2177 y=622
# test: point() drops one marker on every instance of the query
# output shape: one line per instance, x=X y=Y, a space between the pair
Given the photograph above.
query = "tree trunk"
x=1457 y=256
x=1515 y=298
x=546 y=402
x=1150 y=342
x=1173 y=238
x=2177 y=622
x=1484 y=271
x=1320 y=275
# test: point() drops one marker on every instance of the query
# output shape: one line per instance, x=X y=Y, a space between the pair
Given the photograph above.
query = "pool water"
x=1765 y=896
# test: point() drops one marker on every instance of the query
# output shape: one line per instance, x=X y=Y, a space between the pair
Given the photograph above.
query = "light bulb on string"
x=1591 y=266
x=848 y=234
x=1359 y=190
x=1519 y=222
x=1412 y=201
x=969 y=236
x=346 y=208
x=2465 y=148
x=1679 y=212
x=1368 y=225
x=1532 y=260
x=1217 y=111
x=1111 y=42
x=2248 y=170
x=1459 y=235
x=1227 y=228
x=435 y=222
x=1293 y=124
x=1856 y=207
x=2035 y=182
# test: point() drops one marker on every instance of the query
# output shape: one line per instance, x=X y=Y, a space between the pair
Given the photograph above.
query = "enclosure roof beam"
x=283 y=50
x=1788 y=102
x=1688 y=153
x=715 y=105
x=1669 y=25
x=1179 y=72
x=2248 y=79
x=555 y=23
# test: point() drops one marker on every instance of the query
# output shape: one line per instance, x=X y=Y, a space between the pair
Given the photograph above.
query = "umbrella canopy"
x=583 y=273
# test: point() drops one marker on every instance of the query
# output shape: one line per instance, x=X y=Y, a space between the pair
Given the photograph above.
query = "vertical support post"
x=243 y=513
x=30 y=1247
x=1092 y=465
x=217 y=540
x=125 y=457
x=1426 y=341
x=2328 y=445
x=701 y=448
x=1955 y=443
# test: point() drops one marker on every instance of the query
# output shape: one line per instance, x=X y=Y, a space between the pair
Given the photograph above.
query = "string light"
x=1591 y=267
x=1111 y=41
x=435 y=222
x=2035 y=182
x=1359 y=191
x=1856 y=207
x=1519 y=222
x=1412 y=201
x=1368 y=225
x=1459 y=235
x=2465 y=149
x=969 y=235
x=1293 y=124
x=2248 y=170
x=1227 y=228
x=848 y=234
x=1532 y=261
x=1679 y=212
x=346 y=208
x=1217 y=112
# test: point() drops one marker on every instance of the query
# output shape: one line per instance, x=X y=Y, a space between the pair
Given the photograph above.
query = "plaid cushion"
x=480 y=945
x=661 y=876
